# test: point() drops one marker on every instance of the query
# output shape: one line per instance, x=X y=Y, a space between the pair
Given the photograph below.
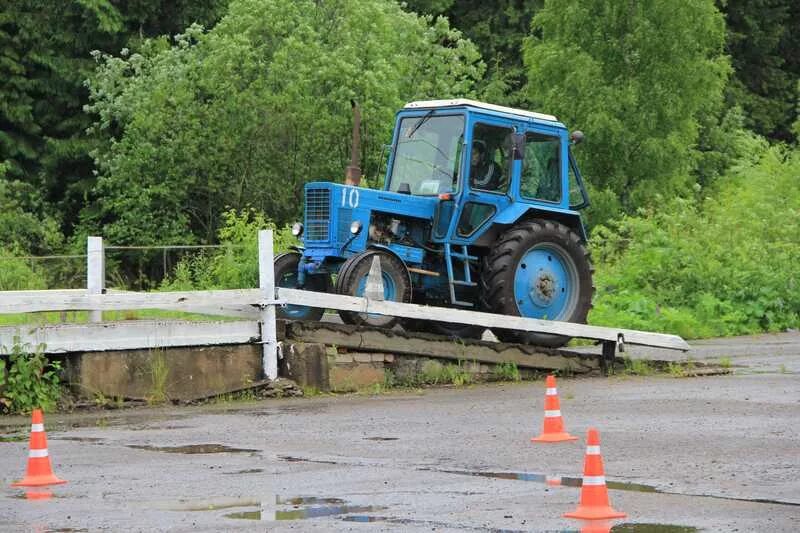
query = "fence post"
x=266 y=282
x=95 y=272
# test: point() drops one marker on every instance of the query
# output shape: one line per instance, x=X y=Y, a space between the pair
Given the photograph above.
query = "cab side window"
x=490 y=158
x=541 y=168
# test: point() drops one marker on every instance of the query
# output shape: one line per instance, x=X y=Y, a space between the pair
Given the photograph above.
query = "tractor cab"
x=485 y=164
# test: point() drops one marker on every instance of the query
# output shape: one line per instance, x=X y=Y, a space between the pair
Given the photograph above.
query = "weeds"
x=676 y=370
x=435 y=373
x=507 y=371
x=725 y=362
x=28 y=380
x=310 y=392
x=638 y=367
x=159 y=372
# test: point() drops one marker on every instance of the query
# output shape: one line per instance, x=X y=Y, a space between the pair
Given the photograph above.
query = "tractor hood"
x=330 y=209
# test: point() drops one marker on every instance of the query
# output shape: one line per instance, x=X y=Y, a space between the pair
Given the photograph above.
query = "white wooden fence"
x=258 y=305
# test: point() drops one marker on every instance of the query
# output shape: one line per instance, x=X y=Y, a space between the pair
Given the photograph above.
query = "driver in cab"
x=484 y=173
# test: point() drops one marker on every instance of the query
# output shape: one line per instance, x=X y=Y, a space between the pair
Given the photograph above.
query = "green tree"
x=763 y=43
x=45 y=58
x=248 y=112
x=635 y=76
x=498 y=28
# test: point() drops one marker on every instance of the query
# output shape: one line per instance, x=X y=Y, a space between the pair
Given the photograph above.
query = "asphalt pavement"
x=718 y=453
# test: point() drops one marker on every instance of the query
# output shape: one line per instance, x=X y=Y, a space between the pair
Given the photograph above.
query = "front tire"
x=352 y=280
x=538 y=269
x=286 y=276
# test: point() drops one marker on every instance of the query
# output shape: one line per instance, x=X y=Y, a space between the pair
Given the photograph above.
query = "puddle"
x=215 y=505
x=652 y=528
x=614 y=485
x=248 y=471
x=36 y=495
x=92 y=440
x=290 y=459
x=159 y=428
x=366 y=518
x=303 y=514
x=381 y=438
x=193 y=449
x=553 y=480
x=303 y=507
x=13 y=438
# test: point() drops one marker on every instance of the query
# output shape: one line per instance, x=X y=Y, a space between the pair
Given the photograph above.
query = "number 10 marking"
x=350 y=199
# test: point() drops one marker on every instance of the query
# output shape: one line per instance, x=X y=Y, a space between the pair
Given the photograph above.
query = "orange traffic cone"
x=39 y=471
x=594 y=503
x=553 y=427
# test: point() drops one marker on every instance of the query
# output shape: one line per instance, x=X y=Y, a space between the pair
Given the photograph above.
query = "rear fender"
x=571 y=219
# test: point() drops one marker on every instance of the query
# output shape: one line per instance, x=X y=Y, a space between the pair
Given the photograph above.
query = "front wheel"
x=538 y=269
x=352 y=281
x=286 y=276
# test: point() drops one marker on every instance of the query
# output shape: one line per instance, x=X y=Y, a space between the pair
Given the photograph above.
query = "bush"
x=16 y=274
x=27 y=380
x=236 y=265
x=723 y=266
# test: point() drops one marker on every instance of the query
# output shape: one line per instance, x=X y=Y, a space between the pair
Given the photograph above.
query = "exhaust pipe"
x=353 y=174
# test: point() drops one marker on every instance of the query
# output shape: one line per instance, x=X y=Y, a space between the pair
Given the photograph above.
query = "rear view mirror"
x=519 y=146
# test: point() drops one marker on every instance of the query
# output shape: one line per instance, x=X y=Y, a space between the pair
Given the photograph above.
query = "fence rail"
x=259 y=304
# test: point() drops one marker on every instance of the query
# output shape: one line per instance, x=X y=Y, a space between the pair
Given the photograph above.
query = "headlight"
x=297 y=229
x=355 y=227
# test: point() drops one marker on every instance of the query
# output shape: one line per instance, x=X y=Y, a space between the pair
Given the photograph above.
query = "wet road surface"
x=717 y=453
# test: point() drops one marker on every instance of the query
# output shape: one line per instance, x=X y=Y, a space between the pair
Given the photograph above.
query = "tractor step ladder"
x=465 y=259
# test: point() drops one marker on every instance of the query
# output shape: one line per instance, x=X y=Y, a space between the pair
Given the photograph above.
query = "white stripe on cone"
x=37 y=453
x=551 y=391
x=594 y=480
x=593 y=450
x=37 y=428
x=552 y=414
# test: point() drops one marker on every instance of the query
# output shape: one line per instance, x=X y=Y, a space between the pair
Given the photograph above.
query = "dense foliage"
x=45 y=48
x=636 y=77
x=246 y=114
x=235 y=266
x=724 y=265
x=28 y=381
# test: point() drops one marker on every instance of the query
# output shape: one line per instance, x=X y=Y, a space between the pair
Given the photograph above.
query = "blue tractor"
x=479 y=210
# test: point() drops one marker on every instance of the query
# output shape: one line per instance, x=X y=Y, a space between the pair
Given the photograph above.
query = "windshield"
x=426 y=158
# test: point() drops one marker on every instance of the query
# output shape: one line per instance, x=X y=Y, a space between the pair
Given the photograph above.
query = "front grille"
x=318 y=214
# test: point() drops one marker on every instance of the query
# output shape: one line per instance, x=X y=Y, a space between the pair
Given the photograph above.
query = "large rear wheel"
x=538 y=269
x=286 y=276
x=352 y=281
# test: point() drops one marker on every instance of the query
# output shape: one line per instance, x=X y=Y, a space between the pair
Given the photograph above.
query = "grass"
x=82 y=317
x=681 y=370
x=159 y=372
x=435 y=373
x=507 y=371
x=638 y=367
x=725 y=362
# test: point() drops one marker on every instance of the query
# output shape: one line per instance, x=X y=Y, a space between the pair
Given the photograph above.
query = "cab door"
x=490 y=167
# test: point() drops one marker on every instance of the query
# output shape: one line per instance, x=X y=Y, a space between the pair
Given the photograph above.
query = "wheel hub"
x=544 y=288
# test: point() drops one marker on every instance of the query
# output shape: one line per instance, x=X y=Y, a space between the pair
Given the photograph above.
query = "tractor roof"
x=459 y=102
